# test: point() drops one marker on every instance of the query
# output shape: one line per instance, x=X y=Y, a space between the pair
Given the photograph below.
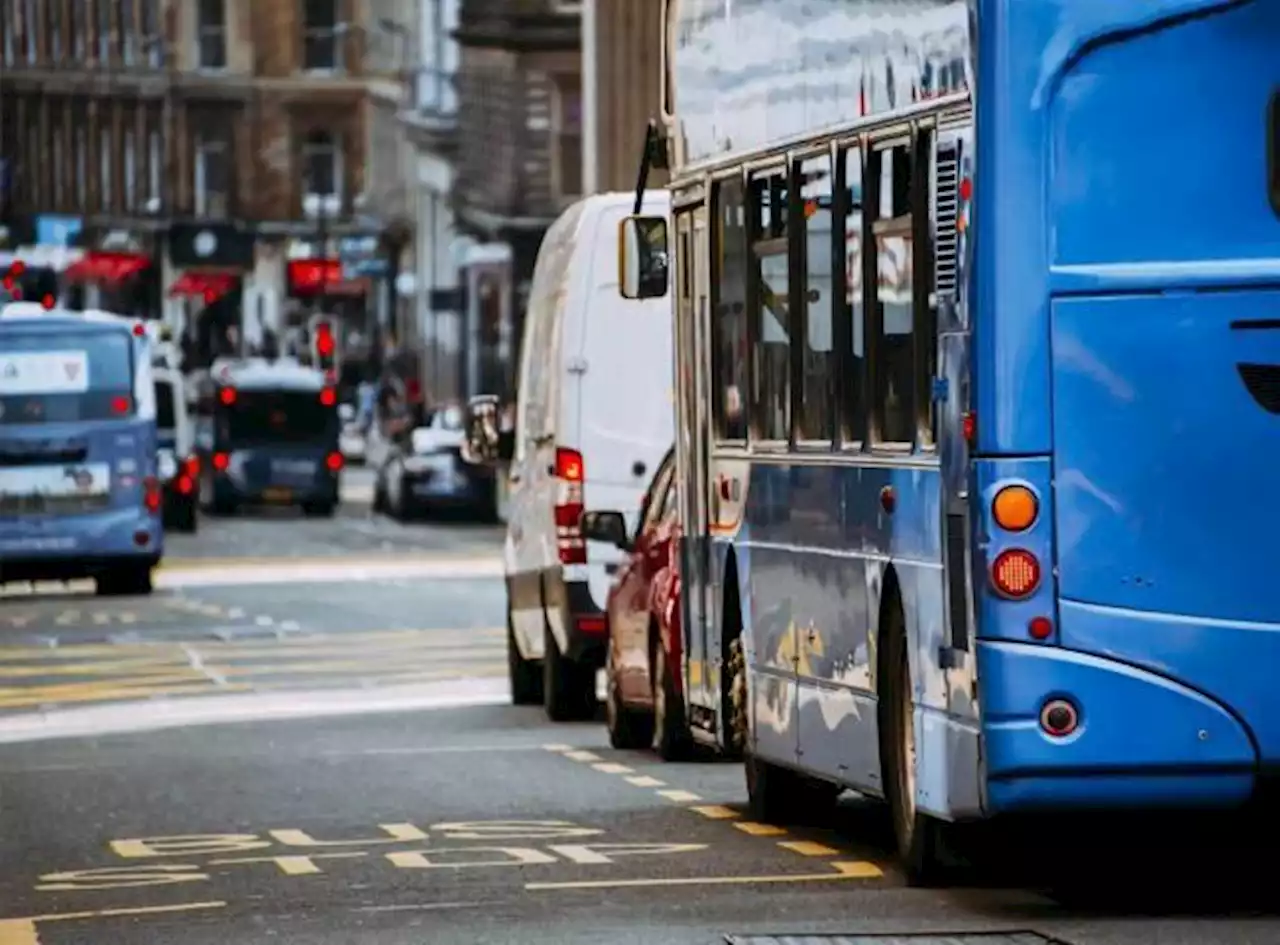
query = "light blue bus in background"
x=78 y=490
x=978 y=403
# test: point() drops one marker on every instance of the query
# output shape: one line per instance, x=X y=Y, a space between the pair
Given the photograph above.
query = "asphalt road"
x=365 y=783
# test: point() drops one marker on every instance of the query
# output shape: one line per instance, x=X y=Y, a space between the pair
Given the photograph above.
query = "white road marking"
x=184 y=575
x=433 y=750
x=418 y=907
x=263 y=620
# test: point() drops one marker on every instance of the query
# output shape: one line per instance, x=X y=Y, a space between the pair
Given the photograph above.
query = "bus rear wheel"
x=918 y=836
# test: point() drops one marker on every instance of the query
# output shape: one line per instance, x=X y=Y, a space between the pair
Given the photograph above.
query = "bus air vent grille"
x=946 y=214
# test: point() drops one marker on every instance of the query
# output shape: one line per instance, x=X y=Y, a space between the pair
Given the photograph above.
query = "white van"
x=594 y=418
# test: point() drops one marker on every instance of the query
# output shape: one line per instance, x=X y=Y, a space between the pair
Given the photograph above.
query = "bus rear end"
x=78 y=494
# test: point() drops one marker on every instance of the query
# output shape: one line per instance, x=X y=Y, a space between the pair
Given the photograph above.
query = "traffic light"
x=324 y=348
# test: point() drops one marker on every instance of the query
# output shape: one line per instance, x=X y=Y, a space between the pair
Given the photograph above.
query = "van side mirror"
x=643 y=269
x=484 y=442
x=608 y=527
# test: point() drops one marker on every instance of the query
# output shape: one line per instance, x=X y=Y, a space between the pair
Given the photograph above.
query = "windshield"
x=165 y=419
x=65 y=377
x=273 y=417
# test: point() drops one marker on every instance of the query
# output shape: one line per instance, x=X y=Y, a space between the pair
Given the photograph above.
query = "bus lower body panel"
x=1139 y=739
x=78 y=546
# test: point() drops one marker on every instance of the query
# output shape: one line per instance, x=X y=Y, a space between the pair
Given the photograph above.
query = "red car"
x=644 y=704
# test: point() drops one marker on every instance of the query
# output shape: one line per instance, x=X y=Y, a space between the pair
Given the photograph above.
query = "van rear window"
x=261 y=418
x=165 y=419
x=65 y=377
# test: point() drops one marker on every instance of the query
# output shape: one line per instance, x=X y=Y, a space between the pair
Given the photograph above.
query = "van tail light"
x=221 y=461
x=568 y=509
x=191 y=467
x=333 y=462
x=328 y=397
x=1015 y=573
x=227 y=396
x=151 y=495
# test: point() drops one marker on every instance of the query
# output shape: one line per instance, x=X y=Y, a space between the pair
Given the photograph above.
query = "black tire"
x=525 y=675
x=124 y=580
x=672 y=739
x=568 y=688
x=628 y=728
x=919 y=837
x=319 y=509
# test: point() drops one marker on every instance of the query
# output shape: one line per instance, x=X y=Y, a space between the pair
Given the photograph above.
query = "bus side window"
x=893 y=293
x=852 y=311
x=816 y=422
x=729 y=315
x=770 y=276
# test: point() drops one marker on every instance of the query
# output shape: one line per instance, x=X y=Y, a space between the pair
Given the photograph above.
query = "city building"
x=518 y=165
x=202 y=156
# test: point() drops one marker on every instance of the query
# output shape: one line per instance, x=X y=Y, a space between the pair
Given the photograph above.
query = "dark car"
x=423 y=472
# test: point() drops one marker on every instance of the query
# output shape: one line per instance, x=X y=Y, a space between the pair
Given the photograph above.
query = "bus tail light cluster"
x=1016 y=573
x=152 y=498
x=568 y=508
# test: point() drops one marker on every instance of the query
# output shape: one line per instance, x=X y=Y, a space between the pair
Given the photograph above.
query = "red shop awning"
x=209 y=286
x=106 y=268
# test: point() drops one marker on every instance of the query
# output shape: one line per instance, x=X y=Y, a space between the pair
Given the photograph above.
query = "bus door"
x=693 y=435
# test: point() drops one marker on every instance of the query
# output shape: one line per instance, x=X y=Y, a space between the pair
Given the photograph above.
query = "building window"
x=82 y=167
x=321 y=174
x=125 y=30
x=771 y=349
x=321 y=34
x=211 y=34
x=566 y=119
x=59 y=169
x=729 y=323
x=152 y=38
x=30 y=27
x=77 y=30
x=8 y=26
x=130 y=171
x=155 y=169
x=53 y=28
x=212 y=176
x=104 y=31
x=106 y=193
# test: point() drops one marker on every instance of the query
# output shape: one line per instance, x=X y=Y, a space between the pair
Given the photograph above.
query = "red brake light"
x=333 y=461
x=227 y=395
x=324 y=341
x=969 y=426
x=18 y=268
x=221 y=461
x=193 y=466
x=151 y=496
x=328 y=397
x=139 y=329
x=1015 y=573
x=568 y=465
x=48 y=301
x=120 y=404
x=8 y=283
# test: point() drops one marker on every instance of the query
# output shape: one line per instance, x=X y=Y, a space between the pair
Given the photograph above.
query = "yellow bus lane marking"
x=644 y=780
x=808 y=848
x=293 y=865
x=680 y=797
x=582 y=756
x=23 y=931
x=841 y=871
x=716 y=812
x=608 y=767
x=760 y=830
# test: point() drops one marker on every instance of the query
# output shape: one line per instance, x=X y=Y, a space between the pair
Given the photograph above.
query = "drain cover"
x=923 y=938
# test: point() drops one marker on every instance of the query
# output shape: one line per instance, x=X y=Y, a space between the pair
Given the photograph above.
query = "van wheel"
x=568 y=688
x=525 y=675
x=628 y=729
x=918 y=836
x=124 y=580
x=671 y=738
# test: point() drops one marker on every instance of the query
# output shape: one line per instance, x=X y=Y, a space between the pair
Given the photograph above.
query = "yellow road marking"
x=557 y=747
x=842 y=871
x=23 y=931
x=295 y=865
x=760 y=830
x=107 y=694
x=808 y=848
x=643 y=780
x=715 y=812
x=608 y=767
x=680 y=797
x=582 y=756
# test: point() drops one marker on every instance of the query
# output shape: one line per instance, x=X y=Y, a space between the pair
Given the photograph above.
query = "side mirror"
x=484 y=442
x=642 y=257
x=609 y=527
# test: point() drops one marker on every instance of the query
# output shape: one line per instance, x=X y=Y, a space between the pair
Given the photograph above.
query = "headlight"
x=167 y=465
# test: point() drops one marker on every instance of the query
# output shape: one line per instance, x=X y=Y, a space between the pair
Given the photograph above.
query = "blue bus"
x=267 y=434
x=79 y=495
x=978 y=340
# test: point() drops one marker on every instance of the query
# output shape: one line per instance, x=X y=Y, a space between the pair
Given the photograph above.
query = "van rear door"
x=622 y=368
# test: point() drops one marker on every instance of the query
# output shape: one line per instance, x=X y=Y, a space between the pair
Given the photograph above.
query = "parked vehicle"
x=178 y=466
x=644 y=701
x=352 y=442
x=593 y=422
x=428 y=474
x=268 y=434
x=79 y=493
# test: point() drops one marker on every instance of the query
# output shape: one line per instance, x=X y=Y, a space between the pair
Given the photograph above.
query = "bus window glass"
x=894 y=369
x=817 y=421
x=261 y=418
x=65 y=378
x=855 y=410
x=729 y=325
x=771 y=358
